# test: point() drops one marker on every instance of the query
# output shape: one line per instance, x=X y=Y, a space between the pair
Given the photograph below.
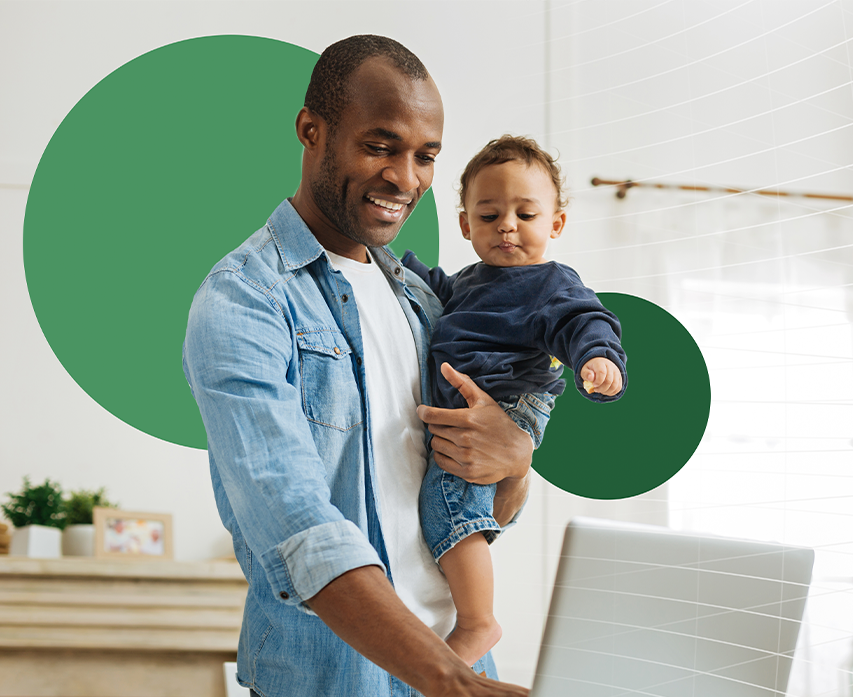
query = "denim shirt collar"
x=302 y=246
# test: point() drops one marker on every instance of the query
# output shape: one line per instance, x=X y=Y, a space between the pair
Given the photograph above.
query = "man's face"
x=379 y=159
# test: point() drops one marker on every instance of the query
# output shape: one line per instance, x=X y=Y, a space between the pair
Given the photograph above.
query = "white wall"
x=51 y=53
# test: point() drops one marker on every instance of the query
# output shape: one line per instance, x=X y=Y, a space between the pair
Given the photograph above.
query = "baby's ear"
x=463 y=224
x=559 y=223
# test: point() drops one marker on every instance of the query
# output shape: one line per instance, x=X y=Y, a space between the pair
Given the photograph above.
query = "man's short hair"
x=328 y=91
x=509 y=148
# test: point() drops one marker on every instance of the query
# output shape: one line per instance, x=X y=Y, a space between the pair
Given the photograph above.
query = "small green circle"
x=161 y=169
x=618 y=449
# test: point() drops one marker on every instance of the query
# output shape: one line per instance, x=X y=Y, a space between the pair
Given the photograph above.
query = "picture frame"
x=132 y=534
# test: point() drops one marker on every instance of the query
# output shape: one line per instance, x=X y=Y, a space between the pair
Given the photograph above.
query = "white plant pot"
x=78 y=541
x=37 y=541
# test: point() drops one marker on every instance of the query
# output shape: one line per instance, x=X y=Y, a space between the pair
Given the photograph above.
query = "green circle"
x=614 y=450
x=161 y=169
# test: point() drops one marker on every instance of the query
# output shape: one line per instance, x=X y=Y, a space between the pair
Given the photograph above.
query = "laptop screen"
x=642 y=610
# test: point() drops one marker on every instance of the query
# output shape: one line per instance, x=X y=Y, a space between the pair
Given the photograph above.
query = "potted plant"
x=38 y=515
x=78 y=539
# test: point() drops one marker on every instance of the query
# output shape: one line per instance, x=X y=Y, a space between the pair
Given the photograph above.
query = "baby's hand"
x=601 y=375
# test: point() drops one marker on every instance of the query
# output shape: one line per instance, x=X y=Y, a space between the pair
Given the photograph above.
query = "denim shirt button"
x=283 y=595
x=337 y=351
x=344 y=298
x=358 y=360
x=397 y=271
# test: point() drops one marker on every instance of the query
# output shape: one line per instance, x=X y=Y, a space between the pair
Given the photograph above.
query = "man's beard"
x=330 y=195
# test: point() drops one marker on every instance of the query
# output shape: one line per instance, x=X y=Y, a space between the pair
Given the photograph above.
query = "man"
x=306 y=352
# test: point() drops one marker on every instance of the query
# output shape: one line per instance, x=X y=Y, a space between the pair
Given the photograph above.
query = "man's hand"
x=361 y=607
x=481 y=444
x=601 y=375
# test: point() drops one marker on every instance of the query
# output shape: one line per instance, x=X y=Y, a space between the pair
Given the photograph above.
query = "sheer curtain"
x=765 y=286
x=751 y=94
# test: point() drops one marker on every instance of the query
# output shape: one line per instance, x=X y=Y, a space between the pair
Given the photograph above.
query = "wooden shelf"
x=120 y=568
x=72 y=626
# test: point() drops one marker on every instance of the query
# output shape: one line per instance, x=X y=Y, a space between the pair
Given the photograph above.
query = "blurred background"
x=743 y=95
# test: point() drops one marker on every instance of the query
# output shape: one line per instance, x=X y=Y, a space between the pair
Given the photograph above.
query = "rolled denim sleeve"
x=239 y=359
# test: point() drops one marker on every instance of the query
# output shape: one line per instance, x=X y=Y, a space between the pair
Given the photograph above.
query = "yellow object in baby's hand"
x=587 y=385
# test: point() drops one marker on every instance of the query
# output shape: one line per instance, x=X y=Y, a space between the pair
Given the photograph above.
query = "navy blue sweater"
x=501 y=325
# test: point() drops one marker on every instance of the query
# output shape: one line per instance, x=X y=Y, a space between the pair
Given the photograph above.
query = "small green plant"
x=79 y=505
x=36 y=505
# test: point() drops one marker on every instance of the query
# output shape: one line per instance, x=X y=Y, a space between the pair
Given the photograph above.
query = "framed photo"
x=132 y=535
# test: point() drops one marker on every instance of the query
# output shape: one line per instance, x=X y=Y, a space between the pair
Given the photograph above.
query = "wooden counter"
x=113 y=628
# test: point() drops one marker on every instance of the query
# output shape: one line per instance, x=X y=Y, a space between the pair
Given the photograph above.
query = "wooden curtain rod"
x=623 y=186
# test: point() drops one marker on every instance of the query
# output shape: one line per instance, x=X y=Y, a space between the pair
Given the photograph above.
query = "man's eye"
x=428 y=159
x=378 y=149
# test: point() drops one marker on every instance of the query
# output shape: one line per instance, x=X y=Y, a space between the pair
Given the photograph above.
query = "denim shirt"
x=273 y=355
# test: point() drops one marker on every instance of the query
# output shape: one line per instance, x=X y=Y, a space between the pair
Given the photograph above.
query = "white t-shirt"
x=393 y=394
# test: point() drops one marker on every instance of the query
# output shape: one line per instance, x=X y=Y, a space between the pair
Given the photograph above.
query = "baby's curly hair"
x=506 y=149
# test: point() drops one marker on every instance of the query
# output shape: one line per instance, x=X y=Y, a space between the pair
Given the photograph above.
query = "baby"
x=504 y=319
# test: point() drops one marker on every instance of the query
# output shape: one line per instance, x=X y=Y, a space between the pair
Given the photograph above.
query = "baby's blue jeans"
x=451 y=509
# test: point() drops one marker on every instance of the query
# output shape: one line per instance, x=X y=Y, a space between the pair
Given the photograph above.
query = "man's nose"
x=402 y=173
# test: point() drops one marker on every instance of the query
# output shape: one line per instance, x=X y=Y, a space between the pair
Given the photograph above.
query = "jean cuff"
x=488 y=526
x=304 y=564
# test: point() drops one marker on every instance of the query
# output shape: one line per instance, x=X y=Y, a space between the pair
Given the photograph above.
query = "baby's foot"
x=473 y=637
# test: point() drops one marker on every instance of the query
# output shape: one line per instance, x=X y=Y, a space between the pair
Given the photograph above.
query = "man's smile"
x=385 y=203
x=388 y=209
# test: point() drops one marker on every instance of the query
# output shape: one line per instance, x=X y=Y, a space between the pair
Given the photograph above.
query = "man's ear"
x=559 y=224
x=310 y=128
x=463 y=224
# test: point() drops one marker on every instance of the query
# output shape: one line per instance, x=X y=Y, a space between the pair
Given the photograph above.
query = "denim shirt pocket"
x=329 y=395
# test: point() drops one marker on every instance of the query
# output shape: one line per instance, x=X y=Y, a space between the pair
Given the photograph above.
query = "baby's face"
x=511 y=213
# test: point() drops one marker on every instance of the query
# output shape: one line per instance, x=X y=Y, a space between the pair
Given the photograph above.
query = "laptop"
x=643 y=610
